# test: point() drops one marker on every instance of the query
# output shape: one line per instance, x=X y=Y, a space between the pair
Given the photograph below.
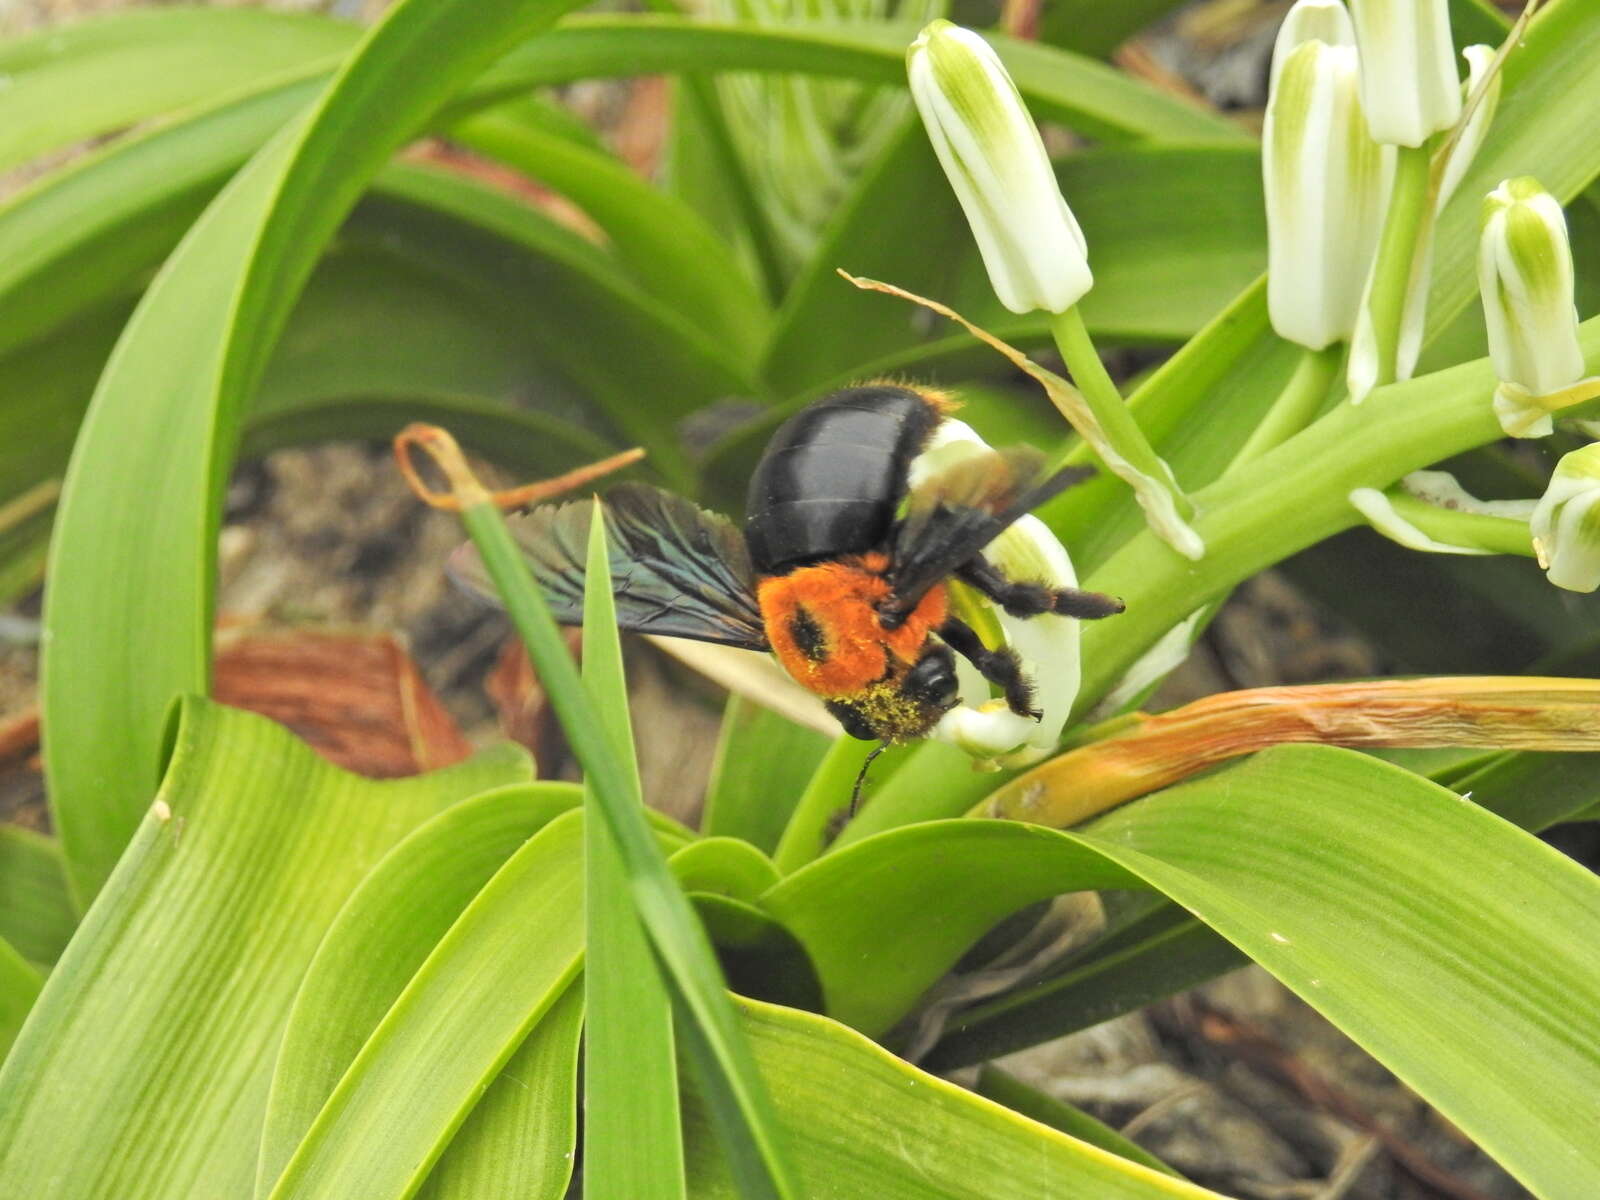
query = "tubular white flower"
x=1325 y=21
x=1566 y=524
x=1048 y=644
x=1409 y=86
x=1326 y=185
x=992 y=154
x=1526 y=279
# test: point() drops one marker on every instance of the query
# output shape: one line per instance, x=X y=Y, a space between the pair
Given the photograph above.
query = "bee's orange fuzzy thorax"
x=823 y=624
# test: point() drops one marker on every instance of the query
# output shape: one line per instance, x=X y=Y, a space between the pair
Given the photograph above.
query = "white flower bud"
x=992 y=154
x=1046 y=644
x=1408 y=70
x=1526 y=279
x=1566 y=524
x=1326 y=184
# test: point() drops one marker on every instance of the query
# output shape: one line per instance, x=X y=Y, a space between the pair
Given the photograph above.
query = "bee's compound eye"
x=933 y=679
x=853 y=719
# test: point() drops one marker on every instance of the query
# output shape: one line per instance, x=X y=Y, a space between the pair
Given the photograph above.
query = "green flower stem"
x=1110 y=410
x=1499 y=535
x=1286 y=500
x=1297 y=406
x=1403 y=231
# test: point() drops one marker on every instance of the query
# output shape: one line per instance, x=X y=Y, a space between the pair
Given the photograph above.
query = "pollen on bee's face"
x=822 y=622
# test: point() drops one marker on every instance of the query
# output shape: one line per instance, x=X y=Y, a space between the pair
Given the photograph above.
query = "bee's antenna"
x=861 y=777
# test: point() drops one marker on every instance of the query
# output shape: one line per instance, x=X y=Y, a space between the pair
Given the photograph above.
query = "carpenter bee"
x=842 y=568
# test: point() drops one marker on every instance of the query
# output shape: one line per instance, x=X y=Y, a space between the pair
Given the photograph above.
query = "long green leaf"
x=164 y=423
x=1019 y=1097
x=1058 y=86
x=673 y=254
x=868 y=1124
x=94 y=231
x=182 y=162
x=36 y=915
x=1340 y=874
x=521 y=1138
x=102 y=65
x=378 y=942
x=144 y=1068
x=20 y=983
x=1167 y=950
x=1344 y=877
x=632 y=1138
x=862 y=912
x=74 y=82
x=483 y=988
x=1095 y=27
x=1165 y=957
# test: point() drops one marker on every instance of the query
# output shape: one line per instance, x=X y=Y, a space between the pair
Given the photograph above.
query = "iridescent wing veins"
x=676 y=569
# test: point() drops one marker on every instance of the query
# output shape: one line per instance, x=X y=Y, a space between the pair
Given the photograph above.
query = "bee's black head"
x=905 y=706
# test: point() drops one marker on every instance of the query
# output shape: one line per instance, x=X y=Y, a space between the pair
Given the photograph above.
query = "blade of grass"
x=742 y=1106
x=632 y=1139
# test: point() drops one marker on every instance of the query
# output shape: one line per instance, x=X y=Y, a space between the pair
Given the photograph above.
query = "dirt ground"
x=1239 y=1084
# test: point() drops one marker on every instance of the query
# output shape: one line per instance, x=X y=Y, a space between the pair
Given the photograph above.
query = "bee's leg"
x=1031 y=599
x=1000 y=667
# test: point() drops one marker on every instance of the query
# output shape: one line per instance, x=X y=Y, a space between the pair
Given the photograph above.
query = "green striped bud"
x=1326 y=182
x=992 y=154
x=1526 y=279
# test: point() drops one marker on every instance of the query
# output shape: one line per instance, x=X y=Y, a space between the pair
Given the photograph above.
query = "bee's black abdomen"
x=833 y=475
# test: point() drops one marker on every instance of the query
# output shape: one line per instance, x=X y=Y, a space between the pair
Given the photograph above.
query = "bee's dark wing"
x=676 y=570
x=951 y=516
